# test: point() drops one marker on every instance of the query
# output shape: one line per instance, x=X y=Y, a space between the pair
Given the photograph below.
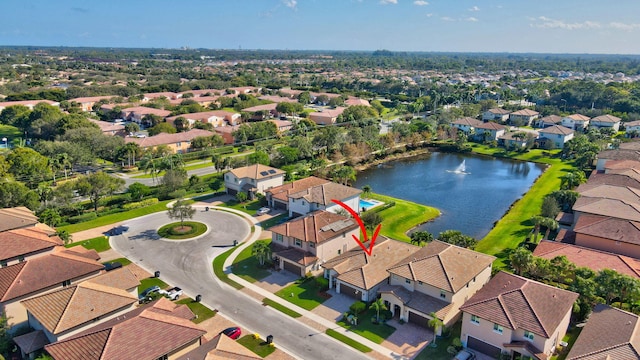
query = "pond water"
x=472 y=192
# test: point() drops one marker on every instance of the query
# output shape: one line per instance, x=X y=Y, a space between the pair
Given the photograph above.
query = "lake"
x=470 y=201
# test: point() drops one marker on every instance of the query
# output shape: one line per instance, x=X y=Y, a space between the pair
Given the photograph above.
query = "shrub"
x=358 y=307
x=140 y=204
x=322 y=283
x=83 y=217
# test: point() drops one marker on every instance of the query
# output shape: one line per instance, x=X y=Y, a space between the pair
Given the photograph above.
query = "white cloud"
x=549 y=23
x=420 y=3
x=290 y=3
x=474 y=8
x=386 y=2
x=447 y=18
x=429 y=14
x=471 y=18
x=623 y=26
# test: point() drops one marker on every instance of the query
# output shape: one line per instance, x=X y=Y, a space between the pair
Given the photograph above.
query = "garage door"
x=292 y=268
x=232 y=192
x=350 y=291
x=418 y=319
x=483 y=347
x=279 y=205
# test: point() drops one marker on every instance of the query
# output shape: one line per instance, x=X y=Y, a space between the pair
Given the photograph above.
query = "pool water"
x=367 y=204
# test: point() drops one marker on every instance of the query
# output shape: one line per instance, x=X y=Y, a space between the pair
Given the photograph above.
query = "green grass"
x=283 y=309
x=99 y=244
x=440 y=352
x=149 y=282
x=347 y=340
x=249 y=207
x=123 y=261
x=202 y=312
x=365 y=328
x=114 y=218
x=305 y=294
x=186 y=168
x=274 y=221
x=247 y=266
x=570 y=338
x=170 y=231
x=257 y=346
x=218 y=263
x=402 y=217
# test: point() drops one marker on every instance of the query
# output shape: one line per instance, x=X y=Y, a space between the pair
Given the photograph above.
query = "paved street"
x=187 y=264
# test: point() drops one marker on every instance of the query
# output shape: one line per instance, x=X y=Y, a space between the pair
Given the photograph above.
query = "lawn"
x=440 y=351
x=257 y=346
x=347 y=340
x=570 y=338
x=305 y=294
x=99 y=244
x=187 y=167
x=123 y=261
x=249 y=207
x=402 y=217
x=367 y=329
x=202 y=312
x=149 y=282
x=281 y=308
x=274 y=221
x=171 y=231
x=247 y=266
x=218 y=270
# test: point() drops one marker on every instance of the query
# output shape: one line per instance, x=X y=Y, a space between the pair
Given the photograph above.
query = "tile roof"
x=610 y=334
x=491 y=126
x=323 y=194
x=619 y=154
x=624 y=193
x=202 y=116
x=608 y=207
x=82 y=251
x=468 y=121
x=27 y=103
x=121 y=278
x=317 y=227
x=257 y=171
x=24 y=241
x=606 y=118
x=556 y=129
x=585 y=257
x=282 y=192
x=32 y=341
x=351 y=101
x=265 y=107
x=631 y=145
x=498 y=111
x=143 y=110
x=277 y=99
x=519 y=303
x=578 y=117
x=608 y=228
x=220 y=347
x=16 y=217
x=91 y=98
x=418 y=301
x=74 y=306
x=164 y=138
x=525 y=112
x=622 y=165
x=443 y=265
x=551 y=119
x=146 y=333
x=629 y=178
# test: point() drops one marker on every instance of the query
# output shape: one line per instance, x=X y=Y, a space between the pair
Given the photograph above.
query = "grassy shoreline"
x=402 y=217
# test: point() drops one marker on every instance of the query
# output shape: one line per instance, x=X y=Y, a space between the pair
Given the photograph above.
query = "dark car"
x=112 y=265
x=465 y=355
x=146 y=292
x=232 y=332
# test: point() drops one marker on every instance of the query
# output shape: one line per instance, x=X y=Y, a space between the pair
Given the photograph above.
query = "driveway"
x=187 y=263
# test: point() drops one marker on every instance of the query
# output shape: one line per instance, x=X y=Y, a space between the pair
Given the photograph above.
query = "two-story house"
x=278 y=197
x=496 y=114
x=555 y=136
x=514 y=315
x=438 y=279
x=605 y=122
x=489 y=131
x=523 y=117
x=632 y=128
x=216 y=118
x=548 y=121
x=302 y=244
x=252 y=179
x=179 y=143
x=18 y=245
x=576 y=122
x=467 y=125
x=320 y=197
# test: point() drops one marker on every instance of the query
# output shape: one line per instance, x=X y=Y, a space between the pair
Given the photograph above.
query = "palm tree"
x=366 y=191
x=536 y=221
x=572 y=179
x=261 y=250
x=421 y=237
x=434 y=323
x=550 y=224
x=521 y=260
x=148 y=165
x=377 y=306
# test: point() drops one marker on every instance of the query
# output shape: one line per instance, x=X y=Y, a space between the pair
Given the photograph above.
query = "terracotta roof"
x=632 y=123
x=324 y=193
x=27 y=103
x=143 y=110
x=551 y=119
x=443 y=265
x=356 y=268
x=491 y=126
x=220 y=347
x=329 y=113
x=557 y=130
x=610 y=334
x=84 y=252
x=585 y=257
x=608 y=228
x=146 y=333
x=606 y=118
x=608 y=207
x=630 y=178
x=122 y=278
x=298 y=256
x=91 y=98
x=519 y=303
x=619 y=154
x=316 y=227
x=277 y=99
x=265 y=107
x=106 y=126
x=17 y=217
x=257 y=171
x=525 y=112
x=468 y=121
x=74 y=306
x=202 y=116
x=498 y=111
x=164 y=138
x=282 y=192
x=32 y=341
x=43 y=272
x=418 y=301
x=622 y=165
x=24 y=241
x=352 y=101
x=625 y=193
x=578 y=117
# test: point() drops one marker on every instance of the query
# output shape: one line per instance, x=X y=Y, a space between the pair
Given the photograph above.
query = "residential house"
x=278 y=197
x=632 y=128
x=137 y=113
x=629 y=177
x=86 y=103
x=437 y=279
x=607 y=233
x=517 y=139
x=301 y=245
x=16 y=218
x=179 y=143
x=517 y=316
x=548 y=121
x=467 y=125
x=605 y=122
x=496 y=114
x=261 y=112
x=216 y=118
x=613 y=165
x=320 y=197
x=489 y=131
x=621 y=153
x=252 y=179
x=358 y=275
x=282 y=125
x=18 y=245
x=523 y=117
x=160 y=330
x=610 y=333
x=201 y=100
x=555 y=136
x=220 y=347
x=278 y=99
x=245 y=90
x=315 y=95
x=28 y=103
x=167 y=95
x=576 y=122
x=110 y=128
x=326 y=117
x=226 y=132
x=290 y=92
x=352 y=101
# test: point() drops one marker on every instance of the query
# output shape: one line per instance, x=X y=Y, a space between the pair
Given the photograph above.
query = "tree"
x=64 y=236
x=377 y=306
x=173 y=179
x=98 y=185
x=536 y=221
x=259 y=157
x=162 y=127
x=131 y=128
x=5 y=337
x=436 y=324
x=572 y=179
x=366 y=191
x=138 y=191
x=304 y=98
x=262 y=251
x=343 y=174
x=13 y=193
x=550 y=224
x=181 y=210
x=549 y=207
x=457 y=238
x=521 y=260
x=421 y=237
x=50 y=216
x=241 y=196
x=371 y=219
x=29 y=166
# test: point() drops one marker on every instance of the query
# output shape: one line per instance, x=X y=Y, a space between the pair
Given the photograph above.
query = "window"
x=475 y=319
x=298 y=242
x=21 y=258
x=312 y=245
x=179 y=144
x=529 y=335
x=407 y=281
x=497 y=328
x=163 y=357
x=279 y=237
x=3 y=263
x=66 y=283
x=303 y=204
x=338 y=251
x=419 y=282
x=443 y=294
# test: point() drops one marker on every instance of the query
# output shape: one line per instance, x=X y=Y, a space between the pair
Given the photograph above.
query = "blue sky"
x=547 y=26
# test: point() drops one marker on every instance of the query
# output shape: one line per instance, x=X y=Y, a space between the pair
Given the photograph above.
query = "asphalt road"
x=187 y=264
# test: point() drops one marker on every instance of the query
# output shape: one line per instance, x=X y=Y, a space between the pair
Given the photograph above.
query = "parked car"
x=112 y=266
x=148 y=291
x=465 y=354
x=232 y=332
x=174 y=293
x=263 y=210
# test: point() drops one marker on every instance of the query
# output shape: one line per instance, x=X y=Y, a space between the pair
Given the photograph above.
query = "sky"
x=517 y=26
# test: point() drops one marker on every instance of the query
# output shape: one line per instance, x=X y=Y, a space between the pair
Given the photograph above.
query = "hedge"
x=139 y=204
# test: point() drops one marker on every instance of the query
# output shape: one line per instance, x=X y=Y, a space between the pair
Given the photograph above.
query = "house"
x=548 y=121
x=496 y=114
x=86 y=103
x=261 y=112
x=607 y=233
x=220 y=347
x=352 y=101
x=245 y=90
x=277 y=99
x=632 y=128
x=28 y=103
x=16 y=218
x=301 y=245
x=610 y=333
x=523 y=117
x=110 y=128
x=593 y=259
x=282 y=125
x=613 y=165
x=278 y=197
x=252 y=179
x=621 y=153
x=438 y=278
x=605 y=122
x=166 y=94
x=576 y=122
x=629 y=177
x=326 y=117
x=160 y=330
x=136 y=113
x=489 y=131
x=358 y=275
x=18 y=245
x=517 y=139
x=320 y=197
x=555 y=136
x=467 y=125
x=226 y=132
x=517 y=316
x=216 y=118
x=178 y=143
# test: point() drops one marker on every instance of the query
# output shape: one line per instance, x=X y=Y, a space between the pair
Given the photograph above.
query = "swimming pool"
x=369 y=203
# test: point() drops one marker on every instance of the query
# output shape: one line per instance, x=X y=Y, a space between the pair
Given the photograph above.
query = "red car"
x=232 y=332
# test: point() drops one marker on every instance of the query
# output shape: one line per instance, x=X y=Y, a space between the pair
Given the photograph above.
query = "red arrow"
x=362 y=228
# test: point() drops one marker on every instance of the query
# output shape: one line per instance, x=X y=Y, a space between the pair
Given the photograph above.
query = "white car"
x=262 y=211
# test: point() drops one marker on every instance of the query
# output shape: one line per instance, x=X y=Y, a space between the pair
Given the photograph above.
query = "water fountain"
x=461 y=169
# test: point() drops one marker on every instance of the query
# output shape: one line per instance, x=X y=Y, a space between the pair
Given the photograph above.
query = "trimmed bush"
x=82 y=218
x=323 y=284
x=140 y=204
x=358 y=307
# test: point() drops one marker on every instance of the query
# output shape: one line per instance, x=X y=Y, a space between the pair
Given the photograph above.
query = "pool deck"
x=374 y=203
